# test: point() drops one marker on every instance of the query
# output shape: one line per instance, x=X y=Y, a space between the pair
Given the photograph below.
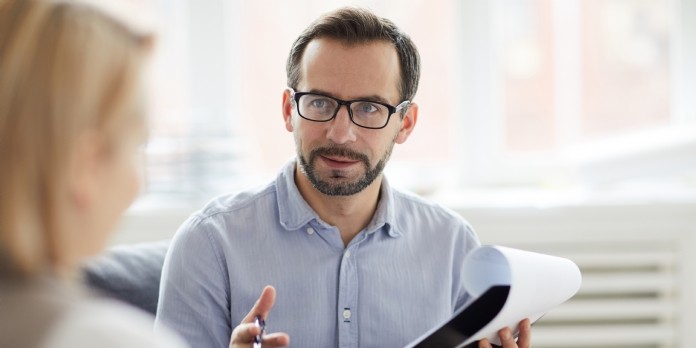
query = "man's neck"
x=350 y=214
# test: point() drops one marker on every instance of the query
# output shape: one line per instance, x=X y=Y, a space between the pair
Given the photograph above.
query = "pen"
x=261 y=324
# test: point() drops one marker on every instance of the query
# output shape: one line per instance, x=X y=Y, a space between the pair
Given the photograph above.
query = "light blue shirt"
x=398 y=278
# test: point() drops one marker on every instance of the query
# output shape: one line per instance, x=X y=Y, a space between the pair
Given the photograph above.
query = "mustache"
x=338 y=151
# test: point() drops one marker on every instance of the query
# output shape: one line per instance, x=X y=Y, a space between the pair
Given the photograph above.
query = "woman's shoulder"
x=50 y=313
x=97 y=322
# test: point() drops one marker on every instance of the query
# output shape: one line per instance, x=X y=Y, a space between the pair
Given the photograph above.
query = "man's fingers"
x=506 y=338
x=525 y=338
x=484 y=344
x=276 y=340
x=244 y=333
x=262 y=306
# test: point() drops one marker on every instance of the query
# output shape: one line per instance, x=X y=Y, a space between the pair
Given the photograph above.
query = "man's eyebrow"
x=374 y=97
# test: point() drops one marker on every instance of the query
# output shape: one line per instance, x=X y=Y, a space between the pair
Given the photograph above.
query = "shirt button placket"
x=347 y=301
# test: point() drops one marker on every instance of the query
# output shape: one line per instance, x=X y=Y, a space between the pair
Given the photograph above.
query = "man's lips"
x=338 y=162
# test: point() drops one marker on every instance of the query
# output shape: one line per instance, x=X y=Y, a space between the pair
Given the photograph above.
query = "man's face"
x=339 y=157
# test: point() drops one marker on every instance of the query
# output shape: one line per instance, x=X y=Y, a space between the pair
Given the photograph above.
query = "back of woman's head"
x=65 y=67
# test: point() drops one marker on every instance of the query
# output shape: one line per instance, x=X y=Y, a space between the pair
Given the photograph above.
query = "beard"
x=337 y=187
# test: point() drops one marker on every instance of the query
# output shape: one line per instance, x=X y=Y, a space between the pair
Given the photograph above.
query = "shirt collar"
x=295 y=212
x=385 y=215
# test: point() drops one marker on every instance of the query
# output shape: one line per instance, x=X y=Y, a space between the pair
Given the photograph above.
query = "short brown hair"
x=354 y=26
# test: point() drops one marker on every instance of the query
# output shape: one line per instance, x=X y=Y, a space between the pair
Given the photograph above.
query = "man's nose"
x=341 y=128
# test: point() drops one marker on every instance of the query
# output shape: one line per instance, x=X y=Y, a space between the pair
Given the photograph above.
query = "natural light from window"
x=536 y=95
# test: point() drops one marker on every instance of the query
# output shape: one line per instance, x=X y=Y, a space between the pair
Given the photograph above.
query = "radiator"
x=638 y=263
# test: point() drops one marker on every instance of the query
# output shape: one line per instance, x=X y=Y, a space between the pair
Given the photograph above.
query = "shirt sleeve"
x=194 y=289
x=469 y=242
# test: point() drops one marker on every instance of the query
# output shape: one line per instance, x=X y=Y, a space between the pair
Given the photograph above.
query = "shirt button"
x=310 y=231
x=346 y=254
x=346 y=314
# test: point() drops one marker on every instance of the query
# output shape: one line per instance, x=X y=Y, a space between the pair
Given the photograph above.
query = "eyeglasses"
x=364 y=113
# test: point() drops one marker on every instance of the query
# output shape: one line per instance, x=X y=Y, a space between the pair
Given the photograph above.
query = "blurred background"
x=560 y=126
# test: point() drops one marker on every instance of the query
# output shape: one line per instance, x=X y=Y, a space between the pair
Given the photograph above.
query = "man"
x=355 y=262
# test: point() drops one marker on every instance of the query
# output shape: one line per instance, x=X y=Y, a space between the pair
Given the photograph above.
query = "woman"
x=71 y=125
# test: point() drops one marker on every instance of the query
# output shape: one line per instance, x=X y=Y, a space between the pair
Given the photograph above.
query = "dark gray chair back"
x=130 y=273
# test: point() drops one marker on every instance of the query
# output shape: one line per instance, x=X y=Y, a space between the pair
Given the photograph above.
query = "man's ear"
x=287 y=109
x=408 y=122
x=85 y=170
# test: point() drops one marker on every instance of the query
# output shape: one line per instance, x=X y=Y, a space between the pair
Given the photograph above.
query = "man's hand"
x=243 y=335
x=524 y=340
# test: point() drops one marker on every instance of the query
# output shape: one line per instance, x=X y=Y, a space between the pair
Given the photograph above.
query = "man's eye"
x=319 y=103
x=367 y=108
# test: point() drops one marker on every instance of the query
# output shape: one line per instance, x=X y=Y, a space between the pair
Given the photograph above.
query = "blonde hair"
x=65 y=67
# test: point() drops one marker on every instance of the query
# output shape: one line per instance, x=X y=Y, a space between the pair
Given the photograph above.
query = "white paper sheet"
x=537 y=283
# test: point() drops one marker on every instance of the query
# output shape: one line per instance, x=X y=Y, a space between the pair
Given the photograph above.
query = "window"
x=523 y=92
x=219 y=75
x=569 y=92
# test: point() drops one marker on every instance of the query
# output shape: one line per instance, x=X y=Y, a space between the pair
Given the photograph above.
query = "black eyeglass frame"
x=392 y=109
